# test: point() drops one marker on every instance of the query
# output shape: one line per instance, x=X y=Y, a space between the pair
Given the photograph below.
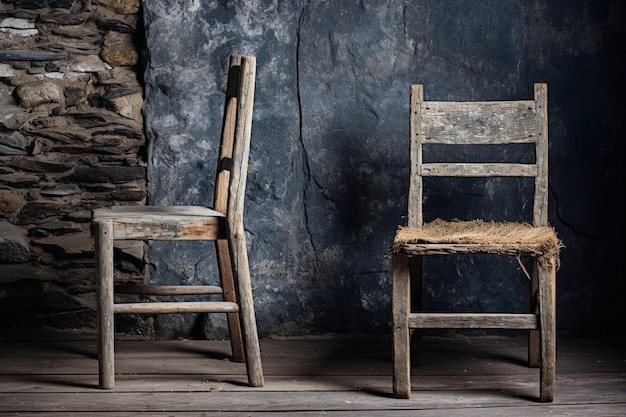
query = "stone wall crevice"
x=306 y=169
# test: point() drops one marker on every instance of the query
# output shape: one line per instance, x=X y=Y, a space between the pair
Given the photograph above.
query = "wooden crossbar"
x=142 y=289
x=473 y=321
x=176 y=307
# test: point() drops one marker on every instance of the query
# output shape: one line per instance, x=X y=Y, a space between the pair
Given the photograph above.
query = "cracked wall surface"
x=328 y=176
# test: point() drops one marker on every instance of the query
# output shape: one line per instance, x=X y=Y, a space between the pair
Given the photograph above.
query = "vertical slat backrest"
x=241 y=144
x=478 y=123
x=224 y=164
x=416 y=185
x=236 y=128
x=540 y=207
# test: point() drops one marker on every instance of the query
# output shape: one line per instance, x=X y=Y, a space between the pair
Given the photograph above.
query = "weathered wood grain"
x=487 y=122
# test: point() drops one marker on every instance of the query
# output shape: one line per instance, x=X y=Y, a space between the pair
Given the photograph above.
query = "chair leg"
x=415 y=268
x=246 y=310
x=534 y=338
x=230 y=294
x=547 y=316
x=400 y=301
x=104 y=289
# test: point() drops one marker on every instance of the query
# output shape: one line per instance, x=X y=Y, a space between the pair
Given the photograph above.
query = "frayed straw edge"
x=471 y=232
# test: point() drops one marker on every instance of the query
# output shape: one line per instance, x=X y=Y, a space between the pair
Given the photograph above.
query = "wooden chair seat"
x=478 y=236
x=132 y=213
x=165 y=222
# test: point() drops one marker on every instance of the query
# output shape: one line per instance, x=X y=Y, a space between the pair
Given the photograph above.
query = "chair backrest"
x=479 y=123
x=232 y=167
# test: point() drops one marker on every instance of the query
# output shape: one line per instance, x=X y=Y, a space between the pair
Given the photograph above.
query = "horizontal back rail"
x=492 y=122
x=478 y=170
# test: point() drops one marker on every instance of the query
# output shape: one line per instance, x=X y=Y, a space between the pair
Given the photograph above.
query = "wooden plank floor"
x=56 y=373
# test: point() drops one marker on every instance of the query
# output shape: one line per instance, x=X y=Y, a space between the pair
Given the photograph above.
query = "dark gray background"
x=328 y=174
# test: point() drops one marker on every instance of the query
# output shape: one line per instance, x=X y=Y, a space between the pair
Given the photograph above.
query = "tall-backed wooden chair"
x=223 y=224
x=501 y=123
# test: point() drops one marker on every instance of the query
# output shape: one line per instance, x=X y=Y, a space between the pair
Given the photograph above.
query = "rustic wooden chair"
x=222 y=224
x=500 y=123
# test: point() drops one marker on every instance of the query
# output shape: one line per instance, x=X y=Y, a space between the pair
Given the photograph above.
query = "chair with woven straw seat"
x=487 y=123
x=222 y=224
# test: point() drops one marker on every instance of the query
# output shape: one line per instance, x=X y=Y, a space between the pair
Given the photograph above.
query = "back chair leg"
x=400 y=300
x=246 y=314
x=415 y=268
x=230 y=294
x=534 y=338
x=104 y=289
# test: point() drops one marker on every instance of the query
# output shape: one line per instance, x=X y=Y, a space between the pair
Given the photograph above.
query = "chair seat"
x=140 y=213
x=164 y=222
x=477 y=236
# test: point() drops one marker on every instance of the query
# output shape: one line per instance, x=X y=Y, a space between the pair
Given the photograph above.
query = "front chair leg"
x=104 y=295
x=400 y=301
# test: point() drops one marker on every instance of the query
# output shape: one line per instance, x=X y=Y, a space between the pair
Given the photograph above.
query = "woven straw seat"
x=496 y=237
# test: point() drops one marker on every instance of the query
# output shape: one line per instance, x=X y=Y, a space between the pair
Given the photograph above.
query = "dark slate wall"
x=329 y=158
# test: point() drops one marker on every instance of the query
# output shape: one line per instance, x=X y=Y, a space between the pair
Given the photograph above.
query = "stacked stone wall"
x=71 y=140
